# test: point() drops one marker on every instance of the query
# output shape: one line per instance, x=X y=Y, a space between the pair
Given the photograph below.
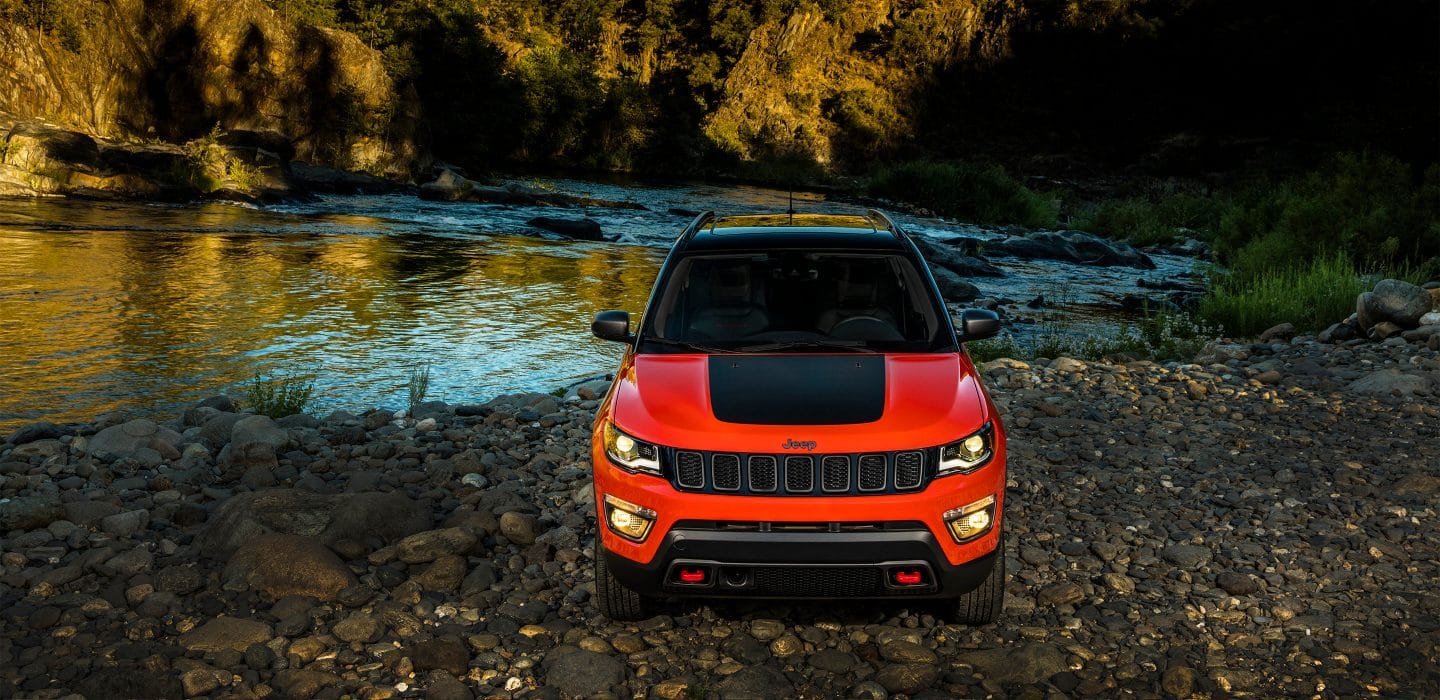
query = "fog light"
x=968 y=522
x=627 y=519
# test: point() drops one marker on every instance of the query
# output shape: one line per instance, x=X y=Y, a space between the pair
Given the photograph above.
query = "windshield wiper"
x=847 y=345
x=687 y=345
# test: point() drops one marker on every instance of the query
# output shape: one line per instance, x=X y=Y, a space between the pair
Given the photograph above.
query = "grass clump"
x=1142 y=221
x=280 y=396
x=419 y=385
x=211 y=166
x=983 y=194
x=1158 y=336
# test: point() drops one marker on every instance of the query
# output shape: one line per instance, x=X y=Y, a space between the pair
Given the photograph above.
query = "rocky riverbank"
x=1261 y=522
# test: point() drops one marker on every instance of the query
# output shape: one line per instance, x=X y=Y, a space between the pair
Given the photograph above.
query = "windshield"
x=780 y=301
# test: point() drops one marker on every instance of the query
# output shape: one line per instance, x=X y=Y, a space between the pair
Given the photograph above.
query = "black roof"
x=871 y=231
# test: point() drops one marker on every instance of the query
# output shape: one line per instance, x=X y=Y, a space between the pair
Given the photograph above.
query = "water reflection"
x=96 y=320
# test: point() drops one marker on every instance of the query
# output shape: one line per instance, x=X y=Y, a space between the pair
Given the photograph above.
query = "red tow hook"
x=692 y=575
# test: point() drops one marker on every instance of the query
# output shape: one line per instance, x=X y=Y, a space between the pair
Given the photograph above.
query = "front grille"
x=818 y=581
x=801 y=475
x=762 y=474
x=726 y=472
x=909 y=469
x=690 y=470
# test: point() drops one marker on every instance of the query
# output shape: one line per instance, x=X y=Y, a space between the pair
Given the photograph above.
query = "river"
x=145 y=307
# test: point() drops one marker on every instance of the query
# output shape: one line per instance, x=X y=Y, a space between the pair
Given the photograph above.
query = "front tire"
x=982 y=605
x=613 y=599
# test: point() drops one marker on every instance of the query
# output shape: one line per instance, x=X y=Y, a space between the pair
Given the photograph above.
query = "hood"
x=839 y=402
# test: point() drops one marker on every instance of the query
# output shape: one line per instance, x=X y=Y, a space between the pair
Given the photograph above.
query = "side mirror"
x=612 y=325
x=978 y=324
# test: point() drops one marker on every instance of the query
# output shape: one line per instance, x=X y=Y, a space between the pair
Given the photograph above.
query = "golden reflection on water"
x=105 y=306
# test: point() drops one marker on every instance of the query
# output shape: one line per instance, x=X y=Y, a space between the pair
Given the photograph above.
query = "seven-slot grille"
x=806 y=475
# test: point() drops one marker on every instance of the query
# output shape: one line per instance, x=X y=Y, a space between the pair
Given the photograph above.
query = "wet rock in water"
x=35 y=432
x=578 y=229
x=576 y=672
x=954 y=289
x=943 y=256
x=1074 y=246
x=288 y=565
x=226 y=634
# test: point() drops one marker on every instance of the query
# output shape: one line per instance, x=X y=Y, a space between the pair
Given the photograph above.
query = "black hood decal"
x=797 y=389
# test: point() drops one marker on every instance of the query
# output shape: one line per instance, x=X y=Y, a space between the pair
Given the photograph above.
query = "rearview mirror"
x=612 y=325
x=978 y=324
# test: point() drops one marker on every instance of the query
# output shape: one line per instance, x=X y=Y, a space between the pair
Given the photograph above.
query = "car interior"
x=795 y=295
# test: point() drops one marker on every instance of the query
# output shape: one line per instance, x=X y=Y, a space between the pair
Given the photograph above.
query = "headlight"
x=632 y=454
x=971 y=521
x=627 y=519
x=967 y=455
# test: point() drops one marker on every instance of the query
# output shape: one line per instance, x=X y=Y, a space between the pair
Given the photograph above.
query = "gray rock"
x=362 y=517
x=258 y=429
x=288 y=565
x=906 y=652
x=952 y=287
x=37 y=431
x=126 y=524
x=578 y=229
x=1388 y=382
x=1396 y=301
x=1281 y=333
x=446 y=654
x=907 y=678
x=217 y=431
x=119 y=441
x=226 y=634
x=443 y=686
x=833 y=661
x=430 y=545
x=1236 y=583
x=518 y=527
x=579 y=673
x=945 y=256
x=29 y=512
x=756 y=682
x=359 y=627
x=1187 y=556
x=1031 y=663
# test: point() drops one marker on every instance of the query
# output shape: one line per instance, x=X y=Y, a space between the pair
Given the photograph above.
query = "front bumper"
x=801 y=565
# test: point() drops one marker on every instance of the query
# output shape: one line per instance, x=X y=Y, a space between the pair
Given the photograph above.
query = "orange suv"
x=795 y=417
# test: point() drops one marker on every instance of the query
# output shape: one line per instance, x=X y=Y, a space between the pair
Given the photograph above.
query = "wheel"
x=613 y=599
x=982 y=605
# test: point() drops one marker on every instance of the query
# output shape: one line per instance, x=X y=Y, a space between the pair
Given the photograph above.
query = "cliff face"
x=172 y=70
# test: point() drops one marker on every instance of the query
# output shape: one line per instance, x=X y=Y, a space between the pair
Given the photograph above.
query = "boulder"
x=578 y=229
x=288 y=565
x=1278 y=334
x=258 y=429
x=580 y=673
x=952 y=288
x=29 y=512
x=1388 y=382
x=226 y=634
x=948 y=256
x=217 y=430
x=365 y=517
x=37 y=431
x=1395 y=301
x=124 y=440
x=1073 y=246
x=1031 y=663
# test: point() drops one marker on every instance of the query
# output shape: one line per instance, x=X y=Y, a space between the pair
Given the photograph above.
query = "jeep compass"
x=796 y=417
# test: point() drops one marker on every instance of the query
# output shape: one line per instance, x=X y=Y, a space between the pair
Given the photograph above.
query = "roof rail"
x=889 y=223
x=701 y=220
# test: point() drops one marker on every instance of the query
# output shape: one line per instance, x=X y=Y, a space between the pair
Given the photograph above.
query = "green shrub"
x=982 y=194
x=1143 y=221
x=1311 y=295
x=279 y=397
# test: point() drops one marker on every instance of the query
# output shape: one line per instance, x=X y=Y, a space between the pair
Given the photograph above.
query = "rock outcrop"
x=173 y=70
